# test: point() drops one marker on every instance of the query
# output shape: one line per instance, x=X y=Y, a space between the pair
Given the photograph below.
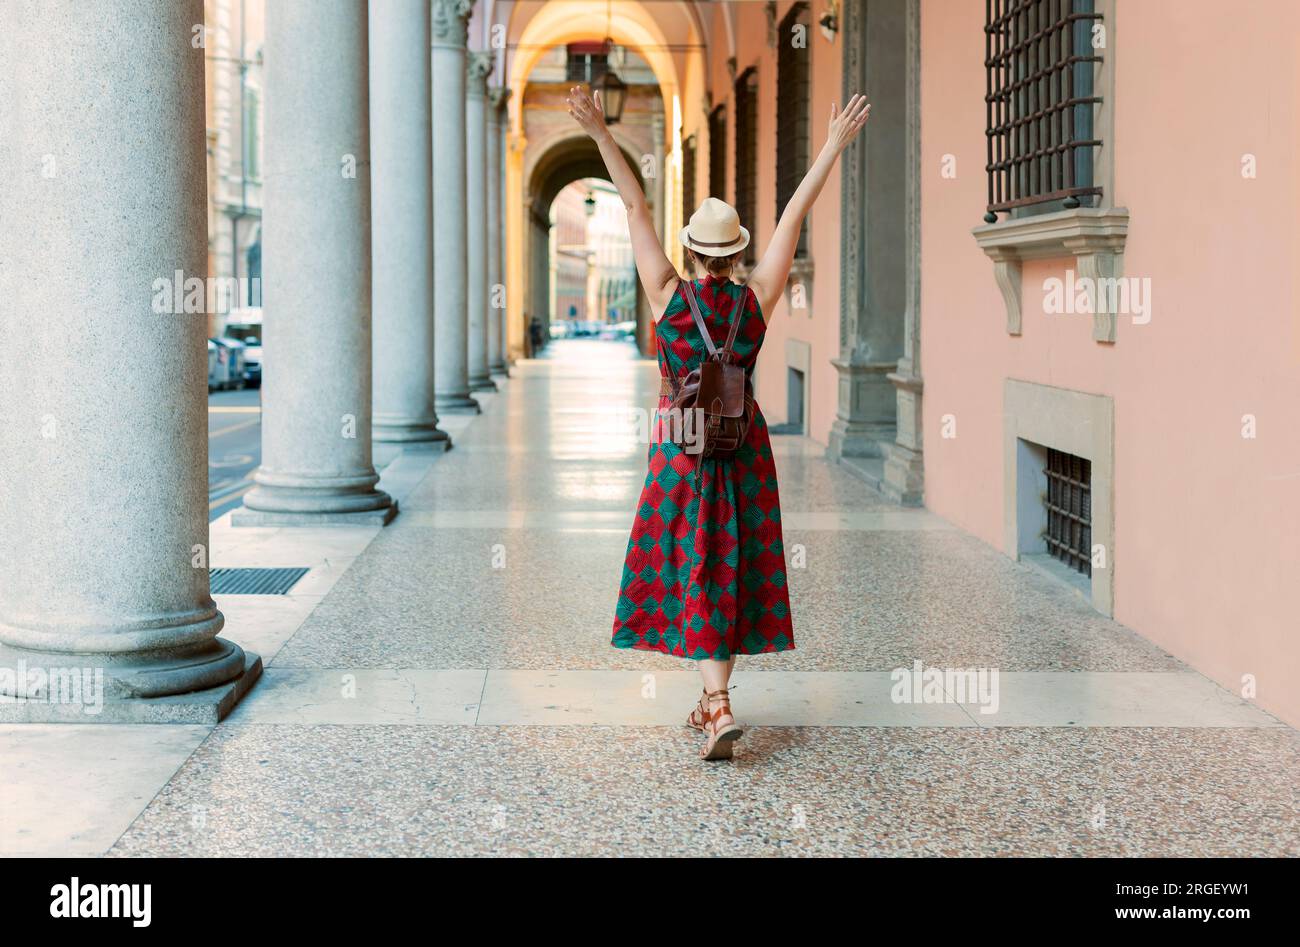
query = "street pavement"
x=234 y=447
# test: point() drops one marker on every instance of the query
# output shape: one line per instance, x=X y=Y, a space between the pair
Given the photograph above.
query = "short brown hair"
x=715 y=265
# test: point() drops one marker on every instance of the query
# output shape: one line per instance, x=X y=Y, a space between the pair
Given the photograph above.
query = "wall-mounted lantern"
x=830 y=21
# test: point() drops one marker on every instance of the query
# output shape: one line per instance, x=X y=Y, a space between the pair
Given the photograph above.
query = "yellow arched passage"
x=566 y=21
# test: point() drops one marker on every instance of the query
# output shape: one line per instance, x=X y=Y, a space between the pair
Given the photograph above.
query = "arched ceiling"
x=670 y=36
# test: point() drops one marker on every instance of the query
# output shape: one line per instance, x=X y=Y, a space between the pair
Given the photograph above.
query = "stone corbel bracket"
x=1094 y=236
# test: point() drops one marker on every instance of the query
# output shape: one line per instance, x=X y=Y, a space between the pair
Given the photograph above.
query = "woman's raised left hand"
x=586 y=111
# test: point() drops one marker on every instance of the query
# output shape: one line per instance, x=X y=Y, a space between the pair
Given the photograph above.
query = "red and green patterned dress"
x=705 y=573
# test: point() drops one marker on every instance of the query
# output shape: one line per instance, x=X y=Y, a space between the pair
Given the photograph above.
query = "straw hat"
x=714 y=230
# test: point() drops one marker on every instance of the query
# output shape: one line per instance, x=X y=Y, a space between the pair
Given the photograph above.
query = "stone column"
x=103 y=382
x=497 y=341
x=904 y=479
x=316 y=397
x=541 y=282
x=401 y=189
x=873 y=270
x=516 y=344
x=477 y=175
x=526 y=273
x=450 y=233
x=657 y=193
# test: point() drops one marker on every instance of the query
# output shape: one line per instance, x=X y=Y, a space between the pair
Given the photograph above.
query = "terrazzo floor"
x=445 y=685
x=365 y=790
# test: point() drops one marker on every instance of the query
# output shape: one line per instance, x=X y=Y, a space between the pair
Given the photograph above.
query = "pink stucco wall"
x=1207 y=543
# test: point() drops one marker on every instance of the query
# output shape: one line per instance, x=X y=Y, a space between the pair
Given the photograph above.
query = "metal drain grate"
x=254 y=581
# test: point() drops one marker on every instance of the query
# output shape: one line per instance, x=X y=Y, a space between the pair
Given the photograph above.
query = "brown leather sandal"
x=722 y=737
x=700 y=715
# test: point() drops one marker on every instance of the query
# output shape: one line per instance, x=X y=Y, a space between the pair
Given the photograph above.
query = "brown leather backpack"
x=712 y=407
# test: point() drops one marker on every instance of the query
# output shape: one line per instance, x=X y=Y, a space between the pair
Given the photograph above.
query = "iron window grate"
x=793 y=86
x=717 y=154
x=688 y=176
x=747 y=153
x=585 y=62
x=1038 y=62
x=254 y=581
x=1069 y=510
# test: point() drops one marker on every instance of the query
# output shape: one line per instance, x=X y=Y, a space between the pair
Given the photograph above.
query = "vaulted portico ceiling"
x=658 y=32
x=669 y=39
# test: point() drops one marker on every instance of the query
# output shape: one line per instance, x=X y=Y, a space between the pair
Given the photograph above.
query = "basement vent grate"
x=254 y=581
x=1069 y=510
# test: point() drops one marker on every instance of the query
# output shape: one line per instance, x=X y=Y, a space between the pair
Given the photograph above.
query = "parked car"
x=619 y=331
x=245 y=325
x=213 y=362
x=230 y=356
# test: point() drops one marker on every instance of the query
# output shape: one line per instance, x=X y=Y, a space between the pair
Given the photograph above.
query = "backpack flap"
x=722 y=389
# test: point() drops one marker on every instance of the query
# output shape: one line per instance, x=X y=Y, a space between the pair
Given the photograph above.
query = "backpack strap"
x=735 y=323
x=672 y=379
x=689 y=292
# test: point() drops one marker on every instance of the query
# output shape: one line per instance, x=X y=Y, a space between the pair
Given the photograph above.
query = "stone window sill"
x=1095 y=236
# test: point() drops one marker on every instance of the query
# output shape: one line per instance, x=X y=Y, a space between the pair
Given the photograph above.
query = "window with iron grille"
x=1069 y=510
x=1038 y=62
x=793 y=87
x=688 y=176
x=585 y=62
x=747 y=152
x=718 y=153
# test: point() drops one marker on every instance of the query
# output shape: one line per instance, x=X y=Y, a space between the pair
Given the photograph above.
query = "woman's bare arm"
x=768 y=277
x=658 y=276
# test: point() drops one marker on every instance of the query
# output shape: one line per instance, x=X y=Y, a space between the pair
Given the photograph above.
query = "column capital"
x=478 y=67
x=450 y=26
x=499 y=95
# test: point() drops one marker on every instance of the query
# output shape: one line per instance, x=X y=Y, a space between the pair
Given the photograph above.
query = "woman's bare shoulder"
x=665 y=303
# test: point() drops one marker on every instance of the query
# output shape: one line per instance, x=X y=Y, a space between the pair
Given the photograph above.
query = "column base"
x=903 y=480
x=248 y=517
x=499 y=368
x=409 y=433
x=456 y=404
x=870 y=470
x=411 y=447
x=866 y=419
x=122 y=676
x=859 y=440
x=298 y=499
x=482 y=383
x=904 y=475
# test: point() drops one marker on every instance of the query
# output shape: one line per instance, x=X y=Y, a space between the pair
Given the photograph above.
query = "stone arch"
x=566 y=156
